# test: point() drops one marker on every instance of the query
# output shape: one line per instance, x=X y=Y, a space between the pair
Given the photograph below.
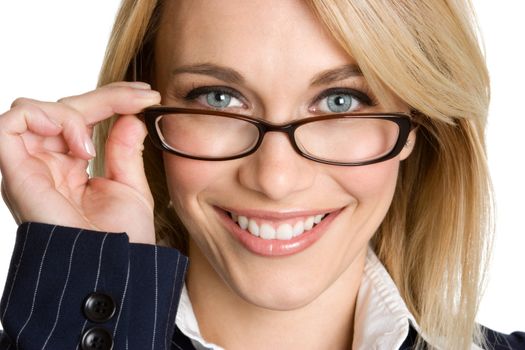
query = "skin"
x=310 y=294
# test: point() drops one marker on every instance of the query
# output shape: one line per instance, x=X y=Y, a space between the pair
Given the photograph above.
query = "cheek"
x=187 y=178
x=372 y=188
x=193 y=185
x=369 y=191
x=371 y=181
x=187 y=182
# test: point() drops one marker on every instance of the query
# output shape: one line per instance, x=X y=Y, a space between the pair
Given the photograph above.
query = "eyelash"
x=364 y=97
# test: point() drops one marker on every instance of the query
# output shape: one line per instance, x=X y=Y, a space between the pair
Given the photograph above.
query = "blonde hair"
x=436 y=237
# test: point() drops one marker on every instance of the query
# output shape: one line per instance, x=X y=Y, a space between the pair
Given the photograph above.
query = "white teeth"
x=298 y=228
x=284 y=232
x=243 y=222
x=253 y=227
x=267 y=232
x=309 y=223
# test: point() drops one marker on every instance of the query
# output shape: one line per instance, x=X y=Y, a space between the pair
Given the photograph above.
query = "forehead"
x=278 y=34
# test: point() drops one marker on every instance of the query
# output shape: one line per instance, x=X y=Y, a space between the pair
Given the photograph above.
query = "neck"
x=226 y=319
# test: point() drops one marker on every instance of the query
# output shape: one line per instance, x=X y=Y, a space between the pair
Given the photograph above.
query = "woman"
x=365 y=229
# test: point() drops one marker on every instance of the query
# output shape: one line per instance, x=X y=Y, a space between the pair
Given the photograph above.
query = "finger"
x=133 y=84
x=26 y=116
x=54 y=144
x=16 y=122
x=117 y=98
x=75 y=132
x=120 y=97
x=124 y=162
x=37 y=144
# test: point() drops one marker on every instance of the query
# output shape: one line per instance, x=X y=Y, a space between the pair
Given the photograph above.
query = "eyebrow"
x=230 y=75
x=222 y=73
x=336 y=74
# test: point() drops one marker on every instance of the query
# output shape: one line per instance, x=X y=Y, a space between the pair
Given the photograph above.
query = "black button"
x=99 y=307
x=96 y=338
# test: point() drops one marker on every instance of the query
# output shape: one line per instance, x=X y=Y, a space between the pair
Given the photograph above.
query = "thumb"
x=124 y=162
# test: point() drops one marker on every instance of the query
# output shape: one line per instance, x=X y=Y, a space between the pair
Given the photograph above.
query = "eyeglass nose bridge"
x=288 y=129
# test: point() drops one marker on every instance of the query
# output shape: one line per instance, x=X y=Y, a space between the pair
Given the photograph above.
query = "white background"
x=54 y=48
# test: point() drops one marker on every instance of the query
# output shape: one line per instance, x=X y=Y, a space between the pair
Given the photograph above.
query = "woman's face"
x=267 y=58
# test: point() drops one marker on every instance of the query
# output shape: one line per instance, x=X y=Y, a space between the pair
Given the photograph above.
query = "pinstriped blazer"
x=54 y=269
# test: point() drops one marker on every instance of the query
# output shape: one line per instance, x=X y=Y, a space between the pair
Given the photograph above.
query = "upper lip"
x=278 y=214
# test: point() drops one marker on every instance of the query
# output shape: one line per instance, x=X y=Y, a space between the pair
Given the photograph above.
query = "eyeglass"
x=348 y=139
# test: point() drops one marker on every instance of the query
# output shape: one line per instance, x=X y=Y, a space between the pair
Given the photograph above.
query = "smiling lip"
x=277 y=247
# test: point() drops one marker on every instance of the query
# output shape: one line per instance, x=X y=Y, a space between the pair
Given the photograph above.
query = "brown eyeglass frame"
x=403 y=120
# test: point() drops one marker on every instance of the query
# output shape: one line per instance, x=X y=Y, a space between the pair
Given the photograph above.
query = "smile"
x=282 y=230
x=277 y=234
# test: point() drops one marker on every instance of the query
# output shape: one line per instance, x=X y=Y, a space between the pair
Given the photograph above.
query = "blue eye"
x=218 y=99
x=339 y=103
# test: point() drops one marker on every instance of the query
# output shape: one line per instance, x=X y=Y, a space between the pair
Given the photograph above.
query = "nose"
x=276 y=170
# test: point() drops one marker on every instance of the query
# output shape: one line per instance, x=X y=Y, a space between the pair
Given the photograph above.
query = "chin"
x=285 y=298
x=282 y=284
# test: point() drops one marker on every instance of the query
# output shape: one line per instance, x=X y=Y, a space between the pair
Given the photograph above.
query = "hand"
x=44 y=153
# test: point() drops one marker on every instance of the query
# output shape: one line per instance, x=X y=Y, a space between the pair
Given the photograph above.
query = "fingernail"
x=89 y=147
x=140 y=85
